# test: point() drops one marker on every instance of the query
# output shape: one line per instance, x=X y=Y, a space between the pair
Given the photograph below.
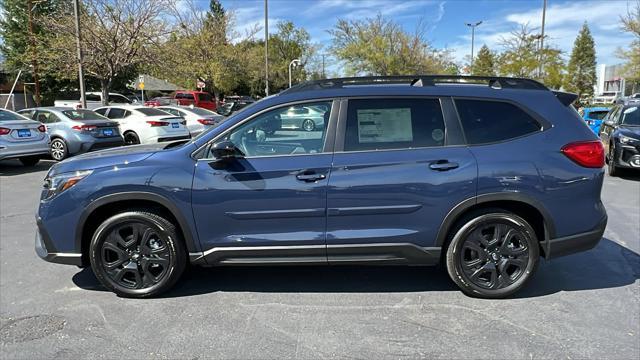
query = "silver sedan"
x=22 y=138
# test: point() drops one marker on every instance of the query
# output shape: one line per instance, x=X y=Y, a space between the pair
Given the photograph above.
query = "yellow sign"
x=141 y=86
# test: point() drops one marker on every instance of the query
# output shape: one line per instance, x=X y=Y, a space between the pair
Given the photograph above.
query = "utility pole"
x=34 y=51
x=294 y=62
x=544 y=14
x=266 y=48
x=76 y=11
x=323 y=75
x=473 y=35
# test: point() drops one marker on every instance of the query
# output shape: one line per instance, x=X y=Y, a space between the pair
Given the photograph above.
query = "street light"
x=473 y=33
x=294 y=62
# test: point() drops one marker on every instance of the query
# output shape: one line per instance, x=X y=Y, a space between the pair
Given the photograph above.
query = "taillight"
x=206 y=121
x=84 y=127
x=42 y=128
x=157 y=123
x=585 y=153
x=4 y=131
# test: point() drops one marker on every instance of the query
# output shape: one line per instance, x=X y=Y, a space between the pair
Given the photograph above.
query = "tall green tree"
x=379 y=46
x=581 y=71
x=485 y=63
x=631 y=23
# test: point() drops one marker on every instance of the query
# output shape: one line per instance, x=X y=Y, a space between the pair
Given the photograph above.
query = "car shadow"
x=609 y=265
x=15 y=167
x=629 y=174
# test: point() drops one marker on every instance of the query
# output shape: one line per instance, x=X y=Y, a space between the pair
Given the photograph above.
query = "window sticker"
x=384 y=125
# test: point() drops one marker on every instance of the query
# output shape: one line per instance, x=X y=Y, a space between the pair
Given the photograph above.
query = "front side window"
x=492 y=121
x=46 y=117
x=265 y=134
x=118 y=99
x=379 y=124
x=204 y=97
x=93 y=97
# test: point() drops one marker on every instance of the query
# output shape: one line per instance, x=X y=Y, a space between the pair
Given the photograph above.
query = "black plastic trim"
x=568 y=245
x=382 y=254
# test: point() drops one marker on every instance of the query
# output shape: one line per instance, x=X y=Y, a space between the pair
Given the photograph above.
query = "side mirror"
x=609 y=123
x=226 y=150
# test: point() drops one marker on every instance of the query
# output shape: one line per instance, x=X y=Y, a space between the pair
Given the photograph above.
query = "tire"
x=612 y=169
x=492 y=268
x=308 y=125
x=29 y=160
x=131 y=138
x=59 y=150
x=137 y=254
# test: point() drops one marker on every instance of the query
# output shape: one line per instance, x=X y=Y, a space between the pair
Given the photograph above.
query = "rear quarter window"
x=486 y=121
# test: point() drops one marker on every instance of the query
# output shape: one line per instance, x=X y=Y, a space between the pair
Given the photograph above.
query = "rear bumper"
x=575 y=243
x=47 y=252
x=11 y=151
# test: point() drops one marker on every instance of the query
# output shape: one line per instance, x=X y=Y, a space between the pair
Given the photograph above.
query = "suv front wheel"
x=137 y=254
x=492 y=254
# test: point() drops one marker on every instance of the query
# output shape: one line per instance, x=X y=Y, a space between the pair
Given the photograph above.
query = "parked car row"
x=62 y=131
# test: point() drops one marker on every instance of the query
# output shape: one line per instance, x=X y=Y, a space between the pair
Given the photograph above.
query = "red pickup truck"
x=196 y=98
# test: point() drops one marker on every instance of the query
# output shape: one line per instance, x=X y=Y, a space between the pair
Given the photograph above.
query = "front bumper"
x=46 y=250
x=575 y=243
x=628 y=156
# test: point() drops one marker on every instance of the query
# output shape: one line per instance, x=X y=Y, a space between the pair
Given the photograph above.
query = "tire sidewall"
x=176 y=263
x=134 y=136
x=454 y=267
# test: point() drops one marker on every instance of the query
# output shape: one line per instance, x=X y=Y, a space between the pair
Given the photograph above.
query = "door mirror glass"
x=225 y=150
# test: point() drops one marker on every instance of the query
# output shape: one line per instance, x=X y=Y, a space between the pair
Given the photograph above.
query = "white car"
x=94 y=101
x=145 y=125
x=198 y=119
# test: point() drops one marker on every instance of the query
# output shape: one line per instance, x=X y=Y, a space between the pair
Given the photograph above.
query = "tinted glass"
x=188 y=96
x=151 y=111
x=92 y=97
x=491 y=121
x=81 y=114
x=116 y=113
x=393 y=124
x=265 y=136
x=598 y=115
x=204 y=97
x=46 y=117
x=118 y=99
x=10 y=116
x=101 y=111
x=201 y=111
x=631 y=116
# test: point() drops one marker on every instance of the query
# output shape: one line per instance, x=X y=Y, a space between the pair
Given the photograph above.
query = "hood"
x=631 y=131
x=109 y=157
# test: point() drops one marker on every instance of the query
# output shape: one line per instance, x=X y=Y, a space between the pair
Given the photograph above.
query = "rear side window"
x=379 y=124
x=204 y=97
x=492 y=121
x=116 y=113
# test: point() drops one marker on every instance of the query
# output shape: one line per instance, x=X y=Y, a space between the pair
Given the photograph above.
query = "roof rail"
x=495 y=82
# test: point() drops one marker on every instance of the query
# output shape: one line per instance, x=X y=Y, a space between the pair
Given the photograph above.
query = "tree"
x=377 y=46
x=484 y=63
x=631 y=24
x=581 y=72
x=117 y=36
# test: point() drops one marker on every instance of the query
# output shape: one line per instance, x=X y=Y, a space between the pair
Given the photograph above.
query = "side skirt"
x=343 y=254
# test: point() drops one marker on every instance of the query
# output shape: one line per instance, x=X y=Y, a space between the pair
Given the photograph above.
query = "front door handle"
x=443 y=165
x=310 y=176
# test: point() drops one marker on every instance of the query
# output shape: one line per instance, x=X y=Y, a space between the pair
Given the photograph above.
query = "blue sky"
x=444 y=20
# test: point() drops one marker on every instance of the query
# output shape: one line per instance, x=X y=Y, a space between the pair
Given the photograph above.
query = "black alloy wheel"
x=493 y=255
x=131 y=138
x=308 y=125
x=137 y=254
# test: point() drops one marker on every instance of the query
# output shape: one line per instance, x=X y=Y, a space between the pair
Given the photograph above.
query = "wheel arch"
x=106 y=206
x=520 y=204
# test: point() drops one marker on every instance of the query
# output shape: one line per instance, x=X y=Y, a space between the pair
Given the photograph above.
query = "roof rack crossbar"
x=495 y=82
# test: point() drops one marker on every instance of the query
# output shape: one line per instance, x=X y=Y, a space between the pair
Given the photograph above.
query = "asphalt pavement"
x=585 y=305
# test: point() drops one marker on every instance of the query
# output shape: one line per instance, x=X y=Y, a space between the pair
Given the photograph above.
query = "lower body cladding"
x=629 y=156
x=98 y=145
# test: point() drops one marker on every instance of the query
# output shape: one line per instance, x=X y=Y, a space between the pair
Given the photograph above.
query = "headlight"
x=56 y=184
x=626 y=139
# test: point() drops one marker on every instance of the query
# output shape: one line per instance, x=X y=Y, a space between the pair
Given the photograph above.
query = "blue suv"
x=482 y=174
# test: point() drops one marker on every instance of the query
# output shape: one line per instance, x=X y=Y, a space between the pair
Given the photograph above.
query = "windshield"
x=10 y=116
x=201 y=111
x=631 y=116
x=80 y=114
x=151 y=111
x=598 y=115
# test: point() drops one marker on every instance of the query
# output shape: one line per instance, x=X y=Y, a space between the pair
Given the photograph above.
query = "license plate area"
x=24 y=133
x=107 y=132
x=175 y=125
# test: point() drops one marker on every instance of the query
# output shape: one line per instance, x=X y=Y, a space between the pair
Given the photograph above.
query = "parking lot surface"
x=582 y=306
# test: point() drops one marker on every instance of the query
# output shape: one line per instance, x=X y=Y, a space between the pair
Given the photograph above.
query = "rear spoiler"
x=565 y=98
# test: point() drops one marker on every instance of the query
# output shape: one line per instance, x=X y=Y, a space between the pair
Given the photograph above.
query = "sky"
x=444 y=21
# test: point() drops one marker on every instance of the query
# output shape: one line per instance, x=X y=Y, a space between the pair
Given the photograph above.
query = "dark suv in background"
x=620 y=134
x=483 y=174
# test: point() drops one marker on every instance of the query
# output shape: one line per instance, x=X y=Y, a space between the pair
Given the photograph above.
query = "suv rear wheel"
x=492 y=254
x=137 y=254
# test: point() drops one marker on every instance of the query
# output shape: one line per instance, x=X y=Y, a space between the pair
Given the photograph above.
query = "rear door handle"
x=443 y=165
x=310 y=176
